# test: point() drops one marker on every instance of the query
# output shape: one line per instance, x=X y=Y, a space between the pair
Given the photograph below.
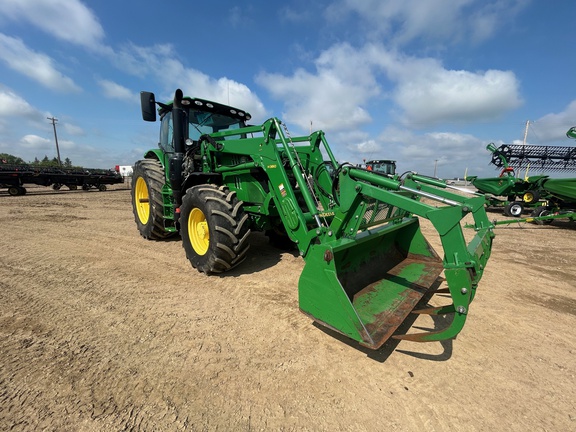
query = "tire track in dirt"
x=78 y=349
x=78 y=358
x=102 y=313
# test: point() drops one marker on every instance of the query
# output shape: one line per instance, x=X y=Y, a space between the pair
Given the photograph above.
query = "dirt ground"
x=101 y=330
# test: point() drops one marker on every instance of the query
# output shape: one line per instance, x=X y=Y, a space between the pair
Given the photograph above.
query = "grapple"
x=372 y=266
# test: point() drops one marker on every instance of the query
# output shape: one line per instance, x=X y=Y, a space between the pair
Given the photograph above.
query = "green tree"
x=10 y=159
x=67 y=163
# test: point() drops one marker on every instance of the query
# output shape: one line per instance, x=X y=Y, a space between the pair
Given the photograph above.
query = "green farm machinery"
x=381 y=166
x=214 y=179
x=507 y=191
x=559 y=202
x=549 y=198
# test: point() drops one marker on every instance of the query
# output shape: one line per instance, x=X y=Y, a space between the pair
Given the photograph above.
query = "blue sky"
x=423 y=82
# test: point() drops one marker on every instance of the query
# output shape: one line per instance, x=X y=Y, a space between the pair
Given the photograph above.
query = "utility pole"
x=435 y=166
x=54 y=121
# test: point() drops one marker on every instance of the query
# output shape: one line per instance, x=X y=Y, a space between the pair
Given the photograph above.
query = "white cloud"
x=295 y=16
x=72 y=129
x=451 y=152
x=161 y=62
x=354 y=144
x=347 y=80
x=333 y=96
x=66 y=144
x=12 y=105
x=35 y=142
x=68 y=20
x=36 y=66
x=369 y=146
x=403 y=21
x=433 y=95
x=237 y=16
x=429 y=94
x=113 y=90
x=553 y=126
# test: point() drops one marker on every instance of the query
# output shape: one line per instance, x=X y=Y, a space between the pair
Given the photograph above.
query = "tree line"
x=44 y=162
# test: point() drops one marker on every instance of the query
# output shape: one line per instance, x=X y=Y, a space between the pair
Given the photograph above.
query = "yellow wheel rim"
x=528 y=197
x=198 y=231
x=142 y=200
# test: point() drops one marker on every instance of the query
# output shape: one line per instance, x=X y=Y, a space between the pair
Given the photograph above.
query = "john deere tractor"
x=214 y=179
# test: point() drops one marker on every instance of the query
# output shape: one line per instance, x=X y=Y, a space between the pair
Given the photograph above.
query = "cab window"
x=167 y=134
x=202 y=122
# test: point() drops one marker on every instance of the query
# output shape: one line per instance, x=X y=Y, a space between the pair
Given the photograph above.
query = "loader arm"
x=287 y=164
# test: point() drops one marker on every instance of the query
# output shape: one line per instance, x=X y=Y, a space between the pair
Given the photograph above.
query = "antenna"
x=526 y=132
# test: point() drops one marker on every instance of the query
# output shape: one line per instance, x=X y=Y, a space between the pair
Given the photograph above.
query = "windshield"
x=202 y=122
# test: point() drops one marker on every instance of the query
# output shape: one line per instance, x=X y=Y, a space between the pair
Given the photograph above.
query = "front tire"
x=147 y=203
x=214 y=228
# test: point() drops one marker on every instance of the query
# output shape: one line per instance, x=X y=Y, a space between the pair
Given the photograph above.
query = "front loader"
x=214 y=179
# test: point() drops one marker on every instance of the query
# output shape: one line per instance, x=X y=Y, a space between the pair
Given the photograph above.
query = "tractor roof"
x=381 y=161
x=209 y=106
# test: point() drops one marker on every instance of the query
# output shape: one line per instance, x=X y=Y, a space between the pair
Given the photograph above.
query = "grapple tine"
x=417 y=337
x=447 y=333
x=441 y=291
x=440 y=310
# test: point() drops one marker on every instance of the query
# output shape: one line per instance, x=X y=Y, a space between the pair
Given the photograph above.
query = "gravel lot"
x=101 y=330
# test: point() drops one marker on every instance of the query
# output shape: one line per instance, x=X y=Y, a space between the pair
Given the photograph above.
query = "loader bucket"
x=365 y=287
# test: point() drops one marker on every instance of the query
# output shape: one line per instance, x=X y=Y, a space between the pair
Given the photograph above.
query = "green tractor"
x=214 y=179
x=381 y=166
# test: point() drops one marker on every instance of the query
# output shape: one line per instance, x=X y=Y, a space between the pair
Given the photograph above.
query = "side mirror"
x=148 y=103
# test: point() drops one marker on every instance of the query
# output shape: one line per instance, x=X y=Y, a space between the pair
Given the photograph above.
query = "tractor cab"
x=203 y=117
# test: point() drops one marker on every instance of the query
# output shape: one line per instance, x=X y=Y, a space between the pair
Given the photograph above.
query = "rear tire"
x=16 y=190
x=214 y=228
x=147 y=202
